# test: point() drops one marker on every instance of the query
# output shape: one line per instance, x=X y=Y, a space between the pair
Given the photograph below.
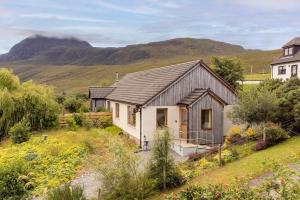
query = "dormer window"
x=288 y=51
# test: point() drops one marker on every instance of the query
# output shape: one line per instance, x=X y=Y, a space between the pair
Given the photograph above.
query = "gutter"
x=140 y=109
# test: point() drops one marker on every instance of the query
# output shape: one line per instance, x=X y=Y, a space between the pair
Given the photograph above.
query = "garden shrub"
x=71 y=123
x=227 y=156
x=88 y=124
x=162 y=167
x=283 y=185
x=260 y=145
x=121 y=177
x=72 y=104
x=234 y=135
x=102 y=109
x=79 y=119
x=205 y=164
x=11 y=186
x=66 y=192
x=275 y=134
x=105 y=121
x=20 y=132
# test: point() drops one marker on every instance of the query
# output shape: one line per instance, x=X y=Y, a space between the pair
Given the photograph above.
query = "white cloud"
x=270 y=5
x=64 y=17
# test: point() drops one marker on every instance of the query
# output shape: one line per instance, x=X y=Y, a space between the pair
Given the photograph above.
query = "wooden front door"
x=183 y=122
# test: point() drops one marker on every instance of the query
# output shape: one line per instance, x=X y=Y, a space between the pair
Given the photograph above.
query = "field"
x=251 y=77
x=72 y=79
x=252 y=165
x=62 y=157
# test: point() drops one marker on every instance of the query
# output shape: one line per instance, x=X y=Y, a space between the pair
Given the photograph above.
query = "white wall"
x=275 y=74
x=149 y=120
x=122 y=122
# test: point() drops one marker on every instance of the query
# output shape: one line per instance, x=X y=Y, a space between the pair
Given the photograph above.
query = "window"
x=286 y=52
x=162 y=117
x=206 y=119
x=131 y=115
x=117 y=110
x=290 y=51
x=281 y=70
x=294 y=70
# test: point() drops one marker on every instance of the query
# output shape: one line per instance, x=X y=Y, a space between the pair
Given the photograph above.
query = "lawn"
x=252 y=165
x=257 y=77
x=61 y=157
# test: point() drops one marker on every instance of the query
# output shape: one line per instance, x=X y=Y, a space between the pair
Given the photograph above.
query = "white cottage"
x=287 y=65
x=188 y=98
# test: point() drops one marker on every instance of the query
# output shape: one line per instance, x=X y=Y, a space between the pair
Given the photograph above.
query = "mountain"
x=63 y=51
x=71 y=65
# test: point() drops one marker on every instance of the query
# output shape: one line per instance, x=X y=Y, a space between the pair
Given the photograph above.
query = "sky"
x=254 y=24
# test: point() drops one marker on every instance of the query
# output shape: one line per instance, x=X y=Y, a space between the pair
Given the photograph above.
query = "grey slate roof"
x=197 y=94
x=99 y=92
x=193 y=96
x=139 y=87
x=294 y=41
x=287 y=59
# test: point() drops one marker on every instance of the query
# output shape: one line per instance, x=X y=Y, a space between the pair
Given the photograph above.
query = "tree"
x=229 y=69
x=255 y=106
x=162 y=166
x=34 y=102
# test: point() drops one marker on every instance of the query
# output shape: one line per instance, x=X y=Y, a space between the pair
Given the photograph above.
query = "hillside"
x=72 y=65
x=62 y=51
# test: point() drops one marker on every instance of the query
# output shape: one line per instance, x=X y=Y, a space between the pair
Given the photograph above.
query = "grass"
x=252 y=165
x=63 y=156
x=257 y=76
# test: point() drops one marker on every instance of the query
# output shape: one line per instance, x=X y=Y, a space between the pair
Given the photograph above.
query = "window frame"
x=165 y=110
x=290 y=51
x=286 y=51
x=131 y=113
x=281 y=69
x=292 y=74
x=117 y=110
x=210 y=117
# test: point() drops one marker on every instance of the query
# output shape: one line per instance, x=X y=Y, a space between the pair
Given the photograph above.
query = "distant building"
x=288 y=65
x=97 y=96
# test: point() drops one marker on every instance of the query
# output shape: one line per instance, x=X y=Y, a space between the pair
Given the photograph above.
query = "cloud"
x=271 y=5
x=144 y=10
x=64 y=18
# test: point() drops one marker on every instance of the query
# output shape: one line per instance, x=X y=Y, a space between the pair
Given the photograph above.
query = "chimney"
x=117 y=76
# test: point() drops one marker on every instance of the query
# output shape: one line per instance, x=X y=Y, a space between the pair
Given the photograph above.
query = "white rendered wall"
x=122 y=122
x=149 y=121
x=288 y=68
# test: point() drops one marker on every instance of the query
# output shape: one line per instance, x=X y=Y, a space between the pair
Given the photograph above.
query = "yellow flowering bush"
x=205 y=164
x=250 y=132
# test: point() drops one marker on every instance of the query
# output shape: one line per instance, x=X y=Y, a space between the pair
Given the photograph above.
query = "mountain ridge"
x=66 y=51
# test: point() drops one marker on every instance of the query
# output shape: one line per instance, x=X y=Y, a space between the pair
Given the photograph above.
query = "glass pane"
x=206 y=119
x=161 y=117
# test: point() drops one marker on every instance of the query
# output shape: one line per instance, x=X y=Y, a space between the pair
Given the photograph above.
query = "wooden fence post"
x=220 y=154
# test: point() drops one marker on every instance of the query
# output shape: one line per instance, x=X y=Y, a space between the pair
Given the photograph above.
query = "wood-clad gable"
x=198 y=77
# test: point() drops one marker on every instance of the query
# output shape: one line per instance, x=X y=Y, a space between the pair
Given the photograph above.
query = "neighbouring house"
x=188 y=98
x=97 y=96
x=287 y=65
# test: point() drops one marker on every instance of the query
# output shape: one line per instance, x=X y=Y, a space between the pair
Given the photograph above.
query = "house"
x=188 y=98
x=287 y=65
x=97 y=96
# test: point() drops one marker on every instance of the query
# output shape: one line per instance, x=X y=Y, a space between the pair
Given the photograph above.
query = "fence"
x=90 y=115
